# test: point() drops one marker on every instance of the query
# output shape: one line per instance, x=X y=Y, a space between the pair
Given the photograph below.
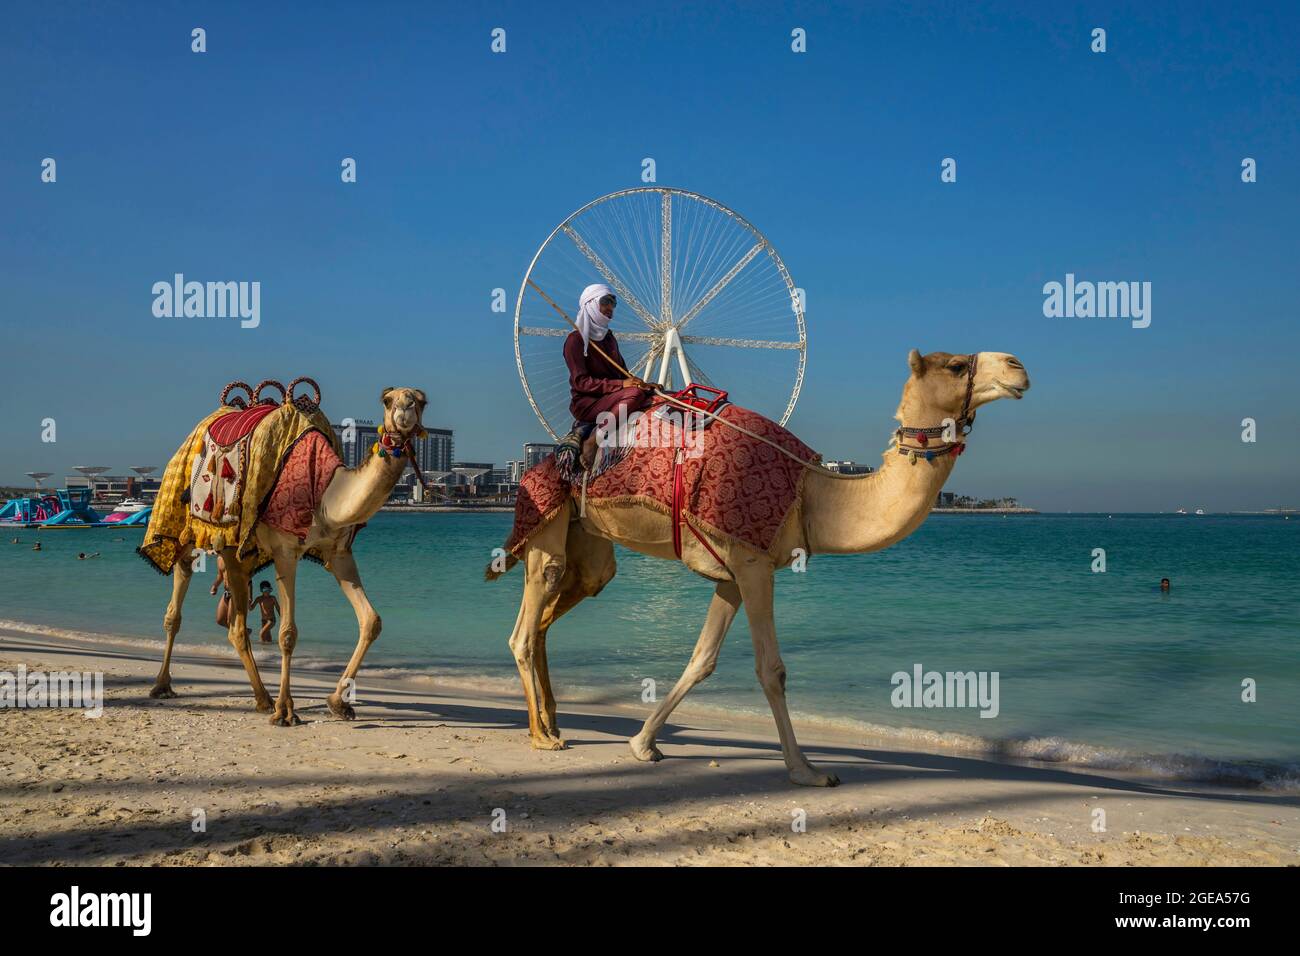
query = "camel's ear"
x=419 y=397
x=915 y=360
x=383 y=396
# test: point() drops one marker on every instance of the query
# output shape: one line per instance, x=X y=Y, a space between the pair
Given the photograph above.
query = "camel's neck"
x=844 y=515
x=354 y=495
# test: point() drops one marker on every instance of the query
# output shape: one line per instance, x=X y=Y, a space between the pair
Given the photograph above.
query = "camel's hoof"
x=549 y=743
x=648 y=753
x=280 y=720
x=810 y=776
x=265 y=706
x=163 y=692
x=340 y=708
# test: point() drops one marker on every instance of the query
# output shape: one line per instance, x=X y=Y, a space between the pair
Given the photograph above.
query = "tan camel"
x=352 y=497
x=573 y=558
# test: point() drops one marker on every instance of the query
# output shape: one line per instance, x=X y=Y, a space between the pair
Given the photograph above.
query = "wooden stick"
x=579 y=331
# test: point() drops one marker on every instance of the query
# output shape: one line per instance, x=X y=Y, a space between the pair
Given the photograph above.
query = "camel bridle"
x=922 y=436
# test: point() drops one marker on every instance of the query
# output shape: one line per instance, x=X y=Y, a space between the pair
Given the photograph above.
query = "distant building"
x=432 y=453
x=475 y=472
x=435 y=452
x=847 y=467
x=115 y=487
x=534 y=452
x=516 y=470
x=357 y=436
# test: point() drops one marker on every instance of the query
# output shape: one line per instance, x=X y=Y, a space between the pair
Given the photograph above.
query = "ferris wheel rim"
x=777 y=261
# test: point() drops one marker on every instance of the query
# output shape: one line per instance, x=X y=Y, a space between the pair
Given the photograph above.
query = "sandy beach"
x=424 y=772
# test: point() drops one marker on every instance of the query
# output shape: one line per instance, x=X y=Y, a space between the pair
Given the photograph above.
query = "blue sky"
x=225 y=165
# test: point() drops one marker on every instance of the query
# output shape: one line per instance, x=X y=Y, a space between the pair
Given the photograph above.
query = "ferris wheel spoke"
x=666 y=259
x=539 y=330
x=722 y=283
x=741 y=343
x=698 y=375
x=623 y=292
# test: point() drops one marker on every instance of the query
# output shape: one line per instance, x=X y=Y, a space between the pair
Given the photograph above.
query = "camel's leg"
x=182 y=572
x=544 y=564
x=344 y=568
x=237 y=580
x=722 y=611
x=756 y=590
x=286 y=570
x=589 y=566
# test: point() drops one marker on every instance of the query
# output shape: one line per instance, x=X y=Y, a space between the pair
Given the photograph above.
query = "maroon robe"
x=596 y=383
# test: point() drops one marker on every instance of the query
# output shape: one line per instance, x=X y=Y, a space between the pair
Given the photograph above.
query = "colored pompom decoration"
x=382 y=453
x=923 y=439
x=379 y=430
x=374 y=449
x=422 y=433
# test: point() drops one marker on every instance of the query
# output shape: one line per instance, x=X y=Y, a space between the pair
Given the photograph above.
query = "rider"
x=596 y=381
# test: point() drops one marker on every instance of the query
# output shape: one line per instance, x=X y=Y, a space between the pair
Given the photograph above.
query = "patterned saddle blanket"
x=733 y=485
x=217 y=479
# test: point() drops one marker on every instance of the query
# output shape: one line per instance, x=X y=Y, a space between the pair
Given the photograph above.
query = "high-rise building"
x=535 y=451
x=357 y=436
x=436 y=451
x=516 y=471
x=433 y=452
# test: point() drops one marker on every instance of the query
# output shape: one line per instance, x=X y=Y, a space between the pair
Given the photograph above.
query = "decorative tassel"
x=207 y=505
x=227 y=472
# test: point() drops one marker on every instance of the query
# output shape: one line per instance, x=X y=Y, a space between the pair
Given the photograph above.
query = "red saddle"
x=228 y=429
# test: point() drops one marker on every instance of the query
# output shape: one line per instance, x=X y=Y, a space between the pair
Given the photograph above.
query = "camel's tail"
x=491 y=572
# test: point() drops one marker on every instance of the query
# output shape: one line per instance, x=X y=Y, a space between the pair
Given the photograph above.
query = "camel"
x=351 y=498
x=572 y=557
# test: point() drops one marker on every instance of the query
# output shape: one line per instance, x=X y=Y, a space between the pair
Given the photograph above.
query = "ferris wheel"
x=698 y=287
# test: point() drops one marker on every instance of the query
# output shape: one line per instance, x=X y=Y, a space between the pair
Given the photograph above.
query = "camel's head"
x=940 y=380
x=402 y=410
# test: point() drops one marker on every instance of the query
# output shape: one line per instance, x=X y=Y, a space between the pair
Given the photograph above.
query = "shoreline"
x=416 y=777
x=1156 y=768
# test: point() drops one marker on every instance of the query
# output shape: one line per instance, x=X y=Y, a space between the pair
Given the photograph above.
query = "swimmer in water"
x=1164 y=585
x=36 y=546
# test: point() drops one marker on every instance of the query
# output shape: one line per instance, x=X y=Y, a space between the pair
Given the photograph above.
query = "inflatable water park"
x=70 y=508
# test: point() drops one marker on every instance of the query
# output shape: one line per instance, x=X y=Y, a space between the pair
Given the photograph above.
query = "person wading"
x=596 y=383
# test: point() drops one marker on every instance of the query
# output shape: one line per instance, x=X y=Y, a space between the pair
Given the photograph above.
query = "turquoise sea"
x=1095 y=668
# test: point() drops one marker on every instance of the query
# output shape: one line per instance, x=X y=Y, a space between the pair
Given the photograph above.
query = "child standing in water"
x=267 y=604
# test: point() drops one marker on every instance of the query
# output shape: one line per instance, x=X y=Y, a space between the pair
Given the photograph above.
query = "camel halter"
x=967 y=418
x=922 y=436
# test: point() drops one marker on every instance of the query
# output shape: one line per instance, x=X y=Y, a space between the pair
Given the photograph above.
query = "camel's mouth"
x=1015 y=391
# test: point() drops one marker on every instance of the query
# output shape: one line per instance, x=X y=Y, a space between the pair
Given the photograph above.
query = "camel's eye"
x=957 y=368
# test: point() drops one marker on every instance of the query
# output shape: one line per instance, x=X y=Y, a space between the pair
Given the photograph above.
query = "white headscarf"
x=592 y=323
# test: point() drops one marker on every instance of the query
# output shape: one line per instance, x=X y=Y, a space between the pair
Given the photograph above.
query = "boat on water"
x=1200 y=511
